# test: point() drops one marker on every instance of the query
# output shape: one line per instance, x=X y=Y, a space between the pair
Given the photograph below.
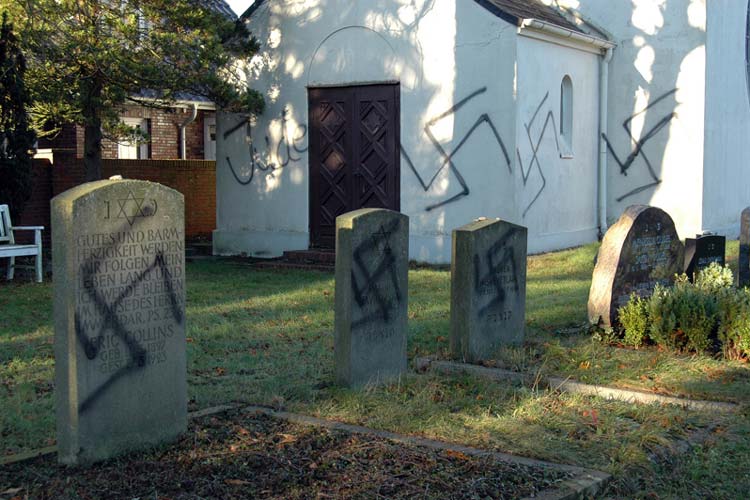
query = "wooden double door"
x=354 y=154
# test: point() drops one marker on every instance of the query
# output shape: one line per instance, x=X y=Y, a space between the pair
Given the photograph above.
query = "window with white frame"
x=209 y=138
x=566 y=117
x=130 y=149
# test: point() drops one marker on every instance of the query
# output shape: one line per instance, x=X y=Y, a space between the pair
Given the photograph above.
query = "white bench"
x=8 y=247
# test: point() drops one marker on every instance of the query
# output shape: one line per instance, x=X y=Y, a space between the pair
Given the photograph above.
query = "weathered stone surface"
x=640 y=250
x=703 y=250
x=118 y=255
x=744 y=263
x=372 y=252
x=488 y=288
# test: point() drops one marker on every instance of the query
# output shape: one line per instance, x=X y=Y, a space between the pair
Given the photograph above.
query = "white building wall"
x=557 y=186
x=656 y=88
x=726 y=188
x=456 y=64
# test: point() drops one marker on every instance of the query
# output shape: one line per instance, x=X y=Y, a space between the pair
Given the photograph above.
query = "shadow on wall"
x=638 y=145
x=287 y=63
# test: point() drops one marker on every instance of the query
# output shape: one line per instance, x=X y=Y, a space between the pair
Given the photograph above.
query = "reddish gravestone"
x=744 y=261
x=639 y=251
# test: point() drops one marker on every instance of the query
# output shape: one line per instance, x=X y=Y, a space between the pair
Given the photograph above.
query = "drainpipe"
x=183 y=125
x=603 y=109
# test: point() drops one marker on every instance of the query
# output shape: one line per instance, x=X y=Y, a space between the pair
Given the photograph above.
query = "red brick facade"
x=163 y=129
x=195 y=179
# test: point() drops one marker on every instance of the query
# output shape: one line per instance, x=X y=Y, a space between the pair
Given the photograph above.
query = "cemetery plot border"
x=255 y=449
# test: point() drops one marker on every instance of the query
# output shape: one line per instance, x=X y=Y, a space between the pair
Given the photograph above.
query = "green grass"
x=265 y=337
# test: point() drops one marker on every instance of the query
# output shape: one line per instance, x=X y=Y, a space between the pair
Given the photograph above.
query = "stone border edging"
x=49 y=450
x=587 y=483
x=571 y=386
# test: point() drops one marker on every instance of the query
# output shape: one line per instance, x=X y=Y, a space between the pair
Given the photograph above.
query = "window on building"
x=133 y=150
x=209 y=141
x=566 y=117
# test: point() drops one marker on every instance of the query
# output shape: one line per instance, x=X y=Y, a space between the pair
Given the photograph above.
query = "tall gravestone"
x=488 y=288
x=118 y=255
x=372 y=252
x=702 y=251
x=744 y=261
x=640 y=250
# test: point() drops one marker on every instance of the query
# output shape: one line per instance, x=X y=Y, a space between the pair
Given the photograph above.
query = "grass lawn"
x=265 y=337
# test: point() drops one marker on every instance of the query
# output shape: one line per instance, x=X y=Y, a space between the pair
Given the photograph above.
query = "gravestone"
x=372 y=258
x=744 y=261
x=488 y=288
x=640 y=250
x=701 y=251
x=118 y=255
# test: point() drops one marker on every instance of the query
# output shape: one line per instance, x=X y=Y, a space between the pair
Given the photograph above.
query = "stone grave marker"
x=640 y=250
x=744 y=261
x=372 y=257
x=118 y=254
x=702 y=250
x=488 y=288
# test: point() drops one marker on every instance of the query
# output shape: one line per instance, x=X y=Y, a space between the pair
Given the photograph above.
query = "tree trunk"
x=92 y=151
x=92 y=136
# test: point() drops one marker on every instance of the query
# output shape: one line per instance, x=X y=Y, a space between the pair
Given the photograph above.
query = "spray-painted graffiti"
x=370 y=294
x=447 y=158
x=287 y=150
x=639 y=144
x=92 y=327
x=501 y=275
x=535 y=145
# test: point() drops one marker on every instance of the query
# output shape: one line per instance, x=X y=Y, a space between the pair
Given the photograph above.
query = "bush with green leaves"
x=697 y=316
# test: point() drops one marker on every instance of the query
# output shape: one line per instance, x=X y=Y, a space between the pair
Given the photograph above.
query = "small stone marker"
x=744 y=262
x=372 y=258
x=118 y=252
x=640 y=250
x=488 y=288
x=701 y=251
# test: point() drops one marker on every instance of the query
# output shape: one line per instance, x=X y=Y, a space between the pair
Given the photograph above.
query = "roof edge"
x=565 y=33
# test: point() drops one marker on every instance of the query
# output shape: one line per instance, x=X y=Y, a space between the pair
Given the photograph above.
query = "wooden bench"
x=8 y=247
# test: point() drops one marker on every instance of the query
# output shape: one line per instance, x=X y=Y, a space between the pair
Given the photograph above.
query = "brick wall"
x=195 y=179
x=36 y=211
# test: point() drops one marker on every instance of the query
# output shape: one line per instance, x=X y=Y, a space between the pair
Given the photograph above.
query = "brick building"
x=193 y=119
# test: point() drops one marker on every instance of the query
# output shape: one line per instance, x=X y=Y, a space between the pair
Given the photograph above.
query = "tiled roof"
x=515 y=10
x=221 y=7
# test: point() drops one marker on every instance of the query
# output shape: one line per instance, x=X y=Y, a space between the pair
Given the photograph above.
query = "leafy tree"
x=88 y=58
x=16 y=137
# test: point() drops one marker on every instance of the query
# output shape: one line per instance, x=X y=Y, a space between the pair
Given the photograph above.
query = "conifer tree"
x=16 y=137
x=89 y=58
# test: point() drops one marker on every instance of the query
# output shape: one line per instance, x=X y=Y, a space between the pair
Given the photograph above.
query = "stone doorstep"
x=587 y=482
x=571 y=386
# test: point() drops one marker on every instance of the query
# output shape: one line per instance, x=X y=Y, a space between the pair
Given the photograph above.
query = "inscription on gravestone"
x=703 y=250
x=744 y=261
x=118 y=257
x=488 y=288
x=642 y=249
x=372 y=248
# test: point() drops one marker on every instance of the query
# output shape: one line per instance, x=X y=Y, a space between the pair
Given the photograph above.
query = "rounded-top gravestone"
x=744 y=258
x=642 y=249
x=118 y=253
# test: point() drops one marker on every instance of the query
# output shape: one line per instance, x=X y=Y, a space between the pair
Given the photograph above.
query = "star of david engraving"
x=131 y=208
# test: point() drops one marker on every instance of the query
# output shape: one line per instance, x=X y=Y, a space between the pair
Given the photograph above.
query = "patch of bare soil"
x=239 y=455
